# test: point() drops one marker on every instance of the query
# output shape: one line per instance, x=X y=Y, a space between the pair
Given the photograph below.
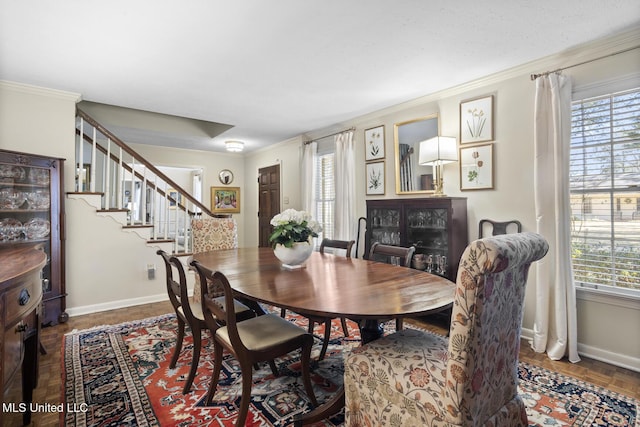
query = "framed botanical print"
x=374 y=143
x=476 y=120
x=375 y=178
x=476 y=167
x=225 y=199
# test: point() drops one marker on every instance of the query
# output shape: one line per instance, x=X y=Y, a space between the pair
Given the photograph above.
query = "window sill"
x=620 y=299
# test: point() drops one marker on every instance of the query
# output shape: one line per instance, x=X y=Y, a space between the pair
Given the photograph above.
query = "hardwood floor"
x=50 y=380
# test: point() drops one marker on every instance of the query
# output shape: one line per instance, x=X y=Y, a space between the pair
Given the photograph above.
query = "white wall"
x=600 y=319
x=211 y=164
x=103 y=274
x=287 y=155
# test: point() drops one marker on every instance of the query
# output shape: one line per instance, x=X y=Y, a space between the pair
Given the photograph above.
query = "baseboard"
x=621 y=360
x=112 y=305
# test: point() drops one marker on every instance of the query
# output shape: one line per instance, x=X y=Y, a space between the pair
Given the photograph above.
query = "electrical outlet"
x=151 y=271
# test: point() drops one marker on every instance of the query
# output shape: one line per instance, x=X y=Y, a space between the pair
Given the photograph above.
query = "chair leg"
x=283 y=312
x=345 y=328
x=325 y=341
x=195 y=358
x=217 y=367
x=274 y=368
x=306 y=370
x=176 y=352
x=245 y=399
x=310 y=327
x=399 y=324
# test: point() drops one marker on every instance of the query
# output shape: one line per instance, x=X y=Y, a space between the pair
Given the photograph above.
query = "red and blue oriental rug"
x=121 y=374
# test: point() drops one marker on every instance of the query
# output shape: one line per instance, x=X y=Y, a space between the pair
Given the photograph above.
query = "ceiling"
x=265 y=71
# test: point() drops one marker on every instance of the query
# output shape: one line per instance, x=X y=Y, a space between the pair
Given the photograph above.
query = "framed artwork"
x=476 y=167
x=476 y=120
x=225 y=199
x=375 y=178
x=374 y=143
x=174 y=198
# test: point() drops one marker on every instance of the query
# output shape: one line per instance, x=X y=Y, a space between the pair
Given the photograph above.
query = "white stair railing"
x=128 y=182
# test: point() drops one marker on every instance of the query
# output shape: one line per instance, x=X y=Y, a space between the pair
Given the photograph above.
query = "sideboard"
x=20 y=305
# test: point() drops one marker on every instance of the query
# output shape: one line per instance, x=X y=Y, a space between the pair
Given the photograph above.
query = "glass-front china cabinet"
x=32 y=213
x=436 y=226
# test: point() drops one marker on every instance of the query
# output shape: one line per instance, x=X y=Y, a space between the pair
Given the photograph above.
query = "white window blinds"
x=605 y=191
x=325 y=191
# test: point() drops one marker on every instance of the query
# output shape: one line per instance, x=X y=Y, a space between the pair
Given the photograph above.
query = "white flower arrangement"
x=291 y=226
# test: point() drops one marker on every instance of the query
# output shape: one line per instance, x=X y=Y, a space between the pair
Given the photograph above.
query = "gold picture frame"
x=375 y=178
x=225 y=199
x=476 y=167
x=476 y=120
x=374 y=143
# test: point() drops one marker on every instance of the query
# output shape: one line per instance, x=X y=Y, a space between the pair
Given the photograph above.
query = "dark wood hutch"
x=32 y=215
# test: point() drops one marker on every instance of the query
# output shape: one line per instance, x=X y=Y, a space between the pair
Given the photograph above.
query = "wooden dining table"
x=332 y=286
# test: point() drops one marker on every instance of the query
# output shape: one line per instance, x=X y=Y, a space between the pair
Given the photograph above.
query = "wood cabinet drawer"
x=23 y=298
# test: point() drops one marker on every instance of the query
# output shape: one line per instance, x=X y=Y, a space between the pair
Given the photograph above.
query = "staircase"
x=119 y=183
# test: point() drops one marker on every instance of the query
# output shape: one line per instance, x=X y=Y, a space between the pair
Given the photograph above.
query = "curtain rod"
x=352 y=129
x=535 y=76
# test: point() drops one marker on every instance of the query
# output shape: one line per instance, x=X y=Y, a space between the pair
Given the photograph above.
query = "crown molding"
x=586 y=52
x=40 y=91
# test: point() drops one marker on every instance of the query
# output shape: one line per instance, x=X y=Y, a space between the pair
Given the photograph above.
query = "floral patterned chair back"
x=210 y=234
x=484 y=341
x=469 y=379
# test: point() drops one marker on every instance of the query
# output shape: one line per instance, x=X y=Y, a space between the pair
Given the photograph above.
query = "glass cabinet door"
x=385 y=226
x=25 y=208
x=31 y=214
x=427 y=230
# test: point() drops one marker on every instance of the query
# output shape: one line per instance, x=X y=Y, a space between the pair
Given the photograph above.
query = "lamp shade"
x=234 y=146
x=438 y=148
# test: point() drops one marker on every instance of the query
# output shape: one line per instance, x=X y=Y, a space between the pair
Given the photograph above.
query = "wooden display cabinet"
x=436 y=226
x=32 y=214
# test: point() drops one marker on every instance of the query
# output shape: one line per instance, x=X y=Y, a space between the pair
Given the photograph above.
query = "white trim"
x=112 y=305
x=41 y=91
x=608 y=297
x=579 y=54
x=621 y=360
x=607 y=86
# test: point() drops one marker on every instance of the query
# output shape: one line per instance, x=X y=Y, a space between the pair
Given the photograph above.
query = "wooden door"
x=268 y=200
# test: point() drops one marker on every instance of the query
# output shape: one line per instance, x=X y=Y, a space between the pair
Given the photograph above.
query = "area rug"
x=119 y=375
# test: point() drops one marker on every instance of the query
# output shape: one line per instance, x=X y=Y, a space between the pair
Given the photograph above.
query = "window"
x=325 y=194
x=604 y=189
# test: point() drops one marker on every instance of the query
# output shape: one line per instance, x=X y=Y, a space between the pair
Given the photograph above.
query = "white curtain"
x=345 y=220
x=555 y=325
x=309 y=177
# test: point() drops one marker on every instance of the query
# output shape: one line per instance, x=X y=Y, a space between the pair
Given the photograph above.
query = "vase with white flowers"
x=291 y=237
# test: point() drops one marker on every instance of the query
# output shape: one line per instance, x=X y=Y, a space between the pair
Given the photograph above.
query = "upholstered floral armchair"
x=414 y=378
x=211 y=234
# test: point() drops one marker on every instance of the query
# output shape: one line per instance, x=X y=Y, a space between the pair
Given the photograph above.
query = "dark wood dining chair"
x=389 y=254
x=396 y=255
x=255 y=340
x=498 y=227
x=347 y=245
x=188 y=314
